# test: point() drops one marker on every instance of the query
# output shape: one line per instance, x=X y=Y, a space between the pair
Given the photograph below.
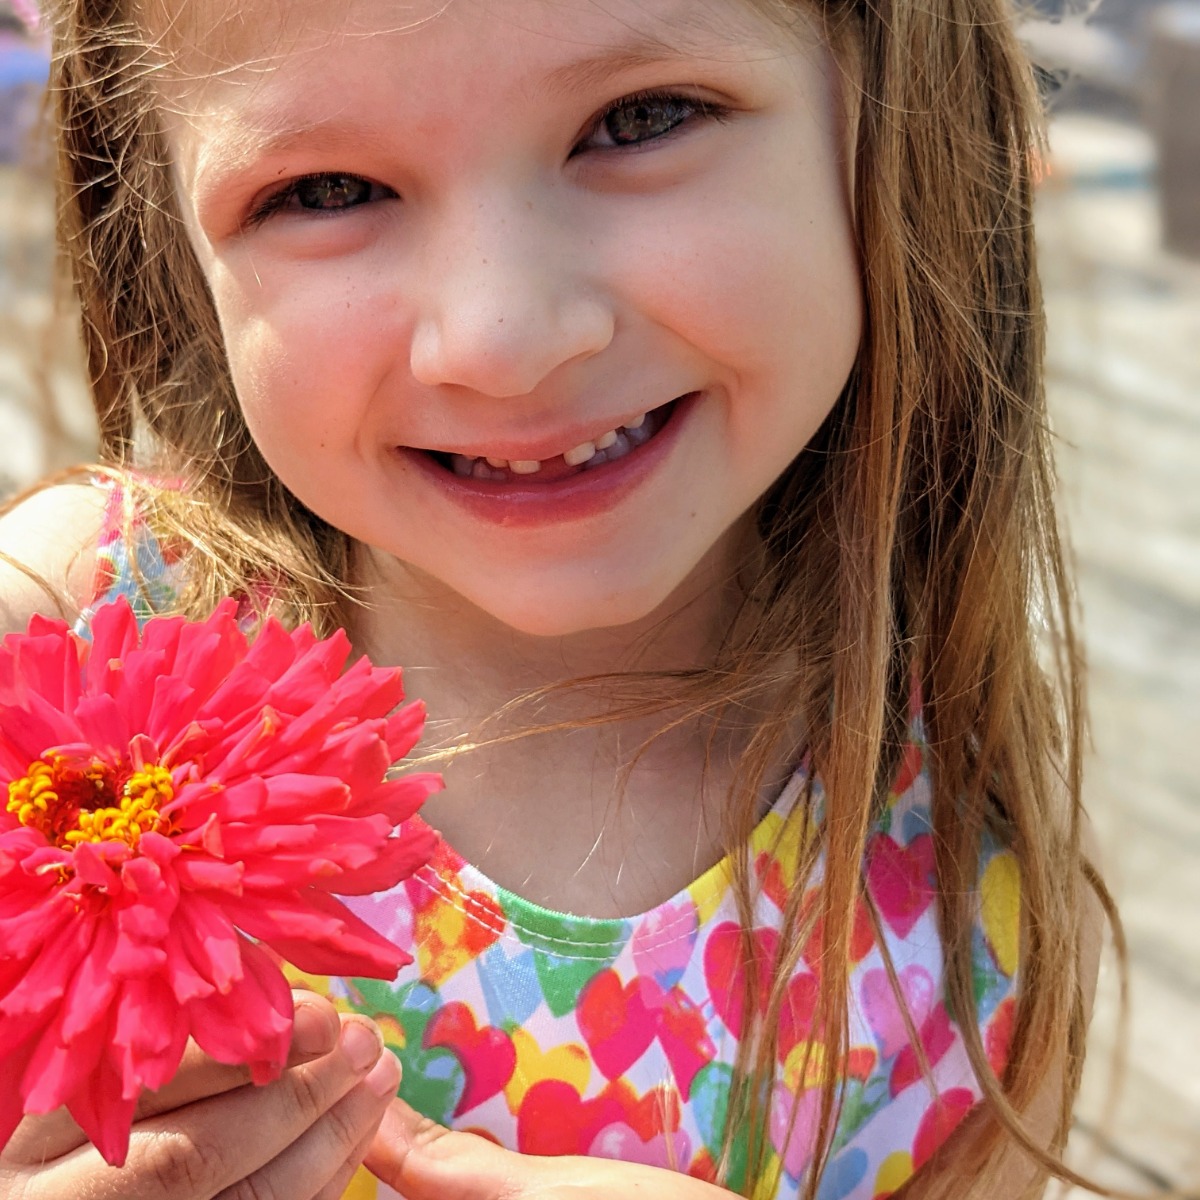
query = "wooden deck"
x=1125 y=387
x=1124 y=338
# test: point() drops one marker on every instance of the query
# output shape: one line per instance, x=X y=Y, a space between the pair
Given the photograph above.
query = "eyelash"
x=702 y=110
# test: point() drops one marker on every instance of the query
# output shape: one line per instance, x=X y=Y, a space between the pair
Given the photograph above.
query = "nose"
x=505 y=301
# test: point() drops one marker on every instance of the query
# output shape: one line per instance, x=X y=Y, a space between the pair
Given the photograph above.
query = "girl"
x=661 y=384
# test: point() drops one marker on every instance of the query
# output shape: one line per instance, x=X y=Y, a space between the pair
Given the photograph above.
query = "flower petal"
x=314 y=931
x=152 y=1031
x=253 y=1022
x=99 y=1107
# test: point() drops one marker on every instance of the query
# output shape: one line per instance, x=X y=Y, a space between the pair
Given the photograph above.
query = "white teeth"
x=578 y=455
x=607 y=447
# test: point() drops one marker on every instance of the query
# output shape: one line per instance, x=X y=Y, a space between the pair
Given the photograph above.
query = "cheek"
x=771 y=294
x=756 y=264
x=302 y=351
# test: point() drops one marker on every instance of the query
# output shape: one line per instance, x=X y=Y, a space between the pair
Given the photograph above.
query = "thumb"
x=423 y=1160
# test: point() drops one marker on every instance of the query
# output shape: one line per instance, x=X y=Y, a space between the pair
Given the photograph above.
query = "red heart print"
x=901 y=879
x=909 y=769
x=656 y=1112
x=554 y=1119
x=618 y=1022
x=862 y=934
x=998 y=1040
x=725 y=973
x=860 y=1062
x=941 y=1119
x=796 y=1015
x=937 y=1036
x=770 y=871
x=487 y=1054
x=684 y=1037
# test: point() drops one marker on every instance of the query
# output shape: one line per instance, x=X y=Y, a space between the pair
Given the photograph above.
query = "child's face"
x=429 y=247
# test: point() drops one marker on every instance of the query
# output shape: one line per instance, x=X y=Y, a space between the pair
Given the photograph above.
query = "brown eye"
x=327 y=192
x=642 y=118
x=333 y=191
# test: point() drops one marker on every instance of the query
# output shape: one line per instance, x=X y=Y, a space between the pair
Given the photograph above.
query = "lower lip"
x=576 y=498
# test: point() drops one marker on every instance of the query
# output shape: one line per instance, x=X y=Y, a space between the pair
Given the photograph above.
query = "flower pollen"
x=71 y=803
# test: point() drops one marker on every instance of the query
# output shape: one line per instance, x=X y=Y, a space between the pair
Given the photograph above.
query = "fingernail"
x=315 y=1029
x=384 y=1077
x=362 y=1043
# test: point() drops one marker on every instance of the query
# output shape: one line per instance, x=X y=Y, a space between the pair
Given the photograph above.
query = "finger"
x=335 y=1189
x=423 y=1160
x=192 y=1153
x=46 y=1137
x=331 y=1150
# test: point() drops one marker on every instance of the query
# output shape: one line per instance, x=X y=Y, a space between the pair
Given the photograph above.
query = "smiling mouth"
x=609 y=447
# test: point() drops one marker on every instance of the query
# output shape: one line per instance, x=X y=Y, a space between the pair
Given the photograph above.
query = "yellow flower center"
x=71 y=802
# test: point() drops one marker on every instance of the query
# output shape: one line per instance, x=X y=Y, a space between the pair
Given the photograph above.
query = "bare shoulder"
x=48 y=552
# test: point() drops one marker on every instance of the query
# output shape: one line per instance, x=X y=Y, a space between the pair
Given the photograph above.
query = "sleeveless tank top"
x=552 y=1033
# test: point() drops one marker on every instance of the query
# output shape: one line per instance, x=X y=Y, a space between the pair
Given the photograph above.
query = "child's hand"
x=208 y=1130
x=423 y=1161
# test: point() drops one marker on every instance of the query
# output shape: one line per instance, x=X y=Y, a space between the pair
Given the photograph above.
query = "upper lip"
x=543 y=446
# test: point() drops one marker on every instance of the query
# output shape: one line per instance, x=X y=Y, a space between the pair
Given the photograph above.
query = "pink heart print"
x=901 y=880
x=487 y=1054
x=664 y=940
x=672 y=1151
x=795 y=1151
x=883 y=1009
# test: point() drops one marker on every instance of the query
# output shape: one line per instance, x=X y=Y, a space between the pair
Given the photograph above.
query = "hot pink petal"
x=12 y=1102
x=100 y=1109
x=399 y=858
x=46 y=978
x=34 y=728
x=210 y=941
x=57 y=1068
x=93 y=987
x=314 y=930
x=404 y=730
x=253 y=1023
x=151 y=1031
x=114 y=634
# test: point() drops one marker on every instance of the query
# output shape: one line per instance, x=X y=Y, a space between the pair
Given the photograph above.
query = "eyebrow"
x=586 y=74
x=250 y=145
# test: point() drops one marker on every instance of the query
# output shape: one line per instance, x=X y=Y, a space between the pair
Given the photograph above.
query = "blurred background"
x=1119 y=226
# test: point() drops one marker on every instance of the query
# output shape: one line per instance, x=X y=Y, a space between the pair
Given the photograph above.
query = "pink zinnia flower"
x=170 y=798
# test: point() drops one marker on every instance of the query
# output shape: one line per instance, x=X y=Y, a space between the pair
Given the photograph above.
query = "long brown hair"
x=911 y=548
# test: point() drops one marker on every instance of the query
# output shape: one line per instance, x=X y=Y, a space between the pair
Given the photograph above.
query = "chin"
x=557 y=612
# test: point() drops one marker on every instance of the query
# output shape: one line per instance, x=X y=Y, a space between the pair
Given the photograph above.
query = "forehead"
x=205 y=42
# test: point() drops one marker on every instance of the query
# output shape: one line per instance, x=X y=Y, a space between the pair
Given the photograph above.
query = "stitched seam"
x=452 y=892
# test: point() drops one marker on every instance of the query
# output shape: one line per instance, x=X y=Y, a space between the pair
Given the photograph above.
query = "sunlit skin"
x=509 y=281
